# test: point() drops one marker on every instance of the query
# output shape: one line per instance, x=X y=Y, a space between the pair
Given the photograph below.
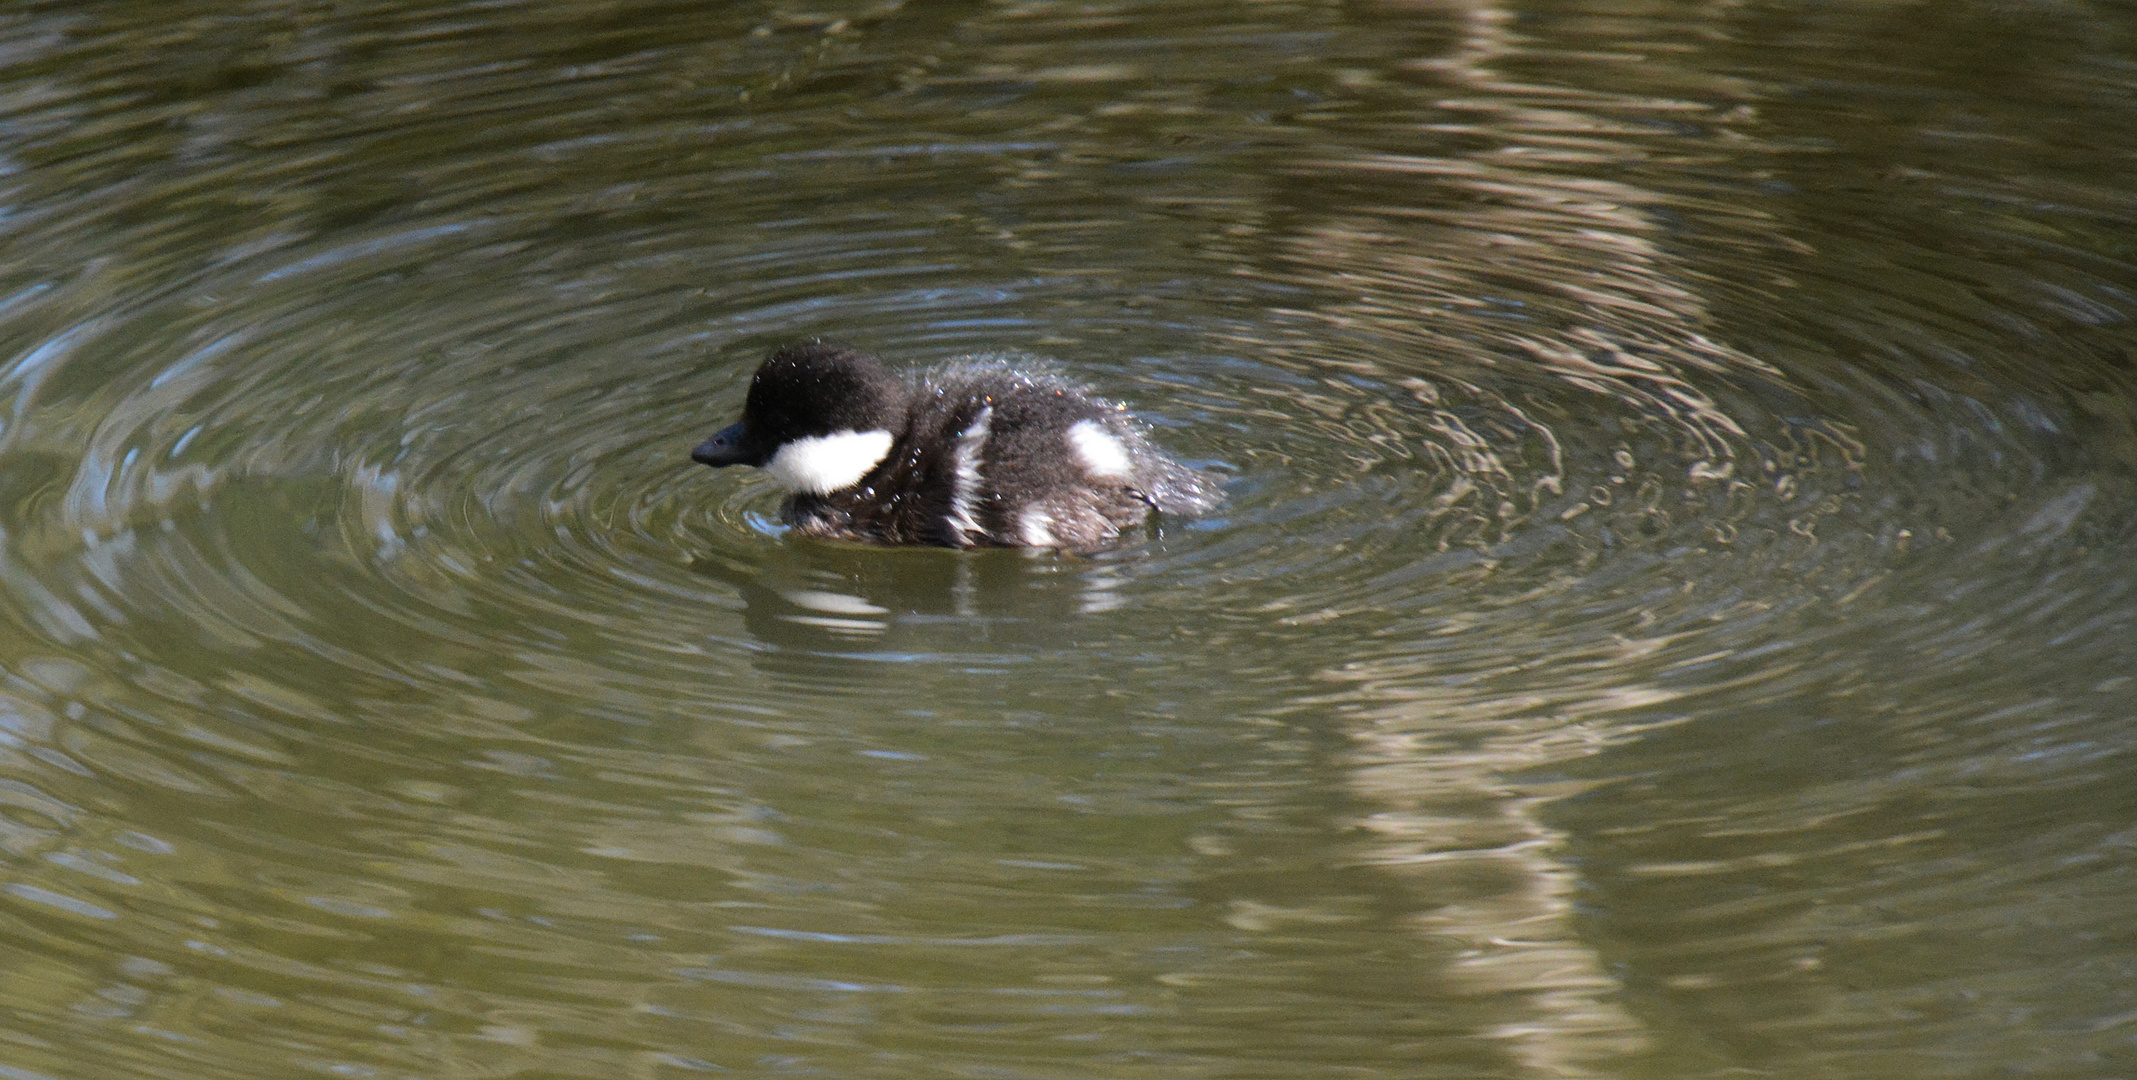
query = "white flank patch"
x=1038 y=528
x=825 y=463
x=964 y=487
x=1101 y=451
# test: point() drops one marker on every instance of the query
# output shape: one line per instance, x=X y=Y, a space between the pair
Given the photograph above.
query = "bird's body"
x=973 y=454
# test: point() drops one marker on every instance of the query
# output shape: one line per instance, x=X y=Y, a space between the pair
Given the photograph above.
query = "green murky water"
x=1674 y=616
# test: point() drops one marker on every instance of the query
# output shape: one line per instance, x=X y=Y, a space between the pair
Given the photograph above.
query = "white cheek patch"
x=1101 y=450
x=823 y=464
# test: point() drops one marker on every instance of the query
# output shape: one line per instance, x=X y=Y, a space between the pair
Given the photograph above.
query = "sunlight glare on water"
x=1672 y=615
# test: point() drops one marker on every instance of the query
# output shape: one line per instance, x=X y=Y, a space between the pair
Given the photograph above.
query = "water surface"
x=1673 y=616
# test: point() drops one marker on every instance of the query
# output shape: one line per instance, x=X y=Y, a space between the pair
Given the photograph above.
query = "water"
x=1673 y=617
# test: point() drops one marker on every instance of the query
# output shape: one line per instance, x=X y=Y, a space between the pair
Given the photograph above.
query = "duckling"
x=977 y=453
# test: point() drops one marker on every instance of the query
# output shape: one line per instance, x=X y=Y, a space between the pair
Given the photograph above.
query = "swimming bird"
x=976 y=453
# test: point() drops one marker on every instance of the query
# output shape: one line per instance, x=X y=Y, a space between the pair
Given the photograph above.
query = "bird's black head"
x=810 y=392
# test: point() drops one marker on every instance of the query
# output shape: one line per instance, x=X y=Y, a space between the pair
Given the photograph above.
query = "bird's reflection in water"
x=807 y=601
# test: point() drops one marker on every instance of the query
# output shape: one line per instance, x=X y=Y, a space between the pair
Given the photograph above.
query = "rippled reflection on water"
x=1673 y=615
